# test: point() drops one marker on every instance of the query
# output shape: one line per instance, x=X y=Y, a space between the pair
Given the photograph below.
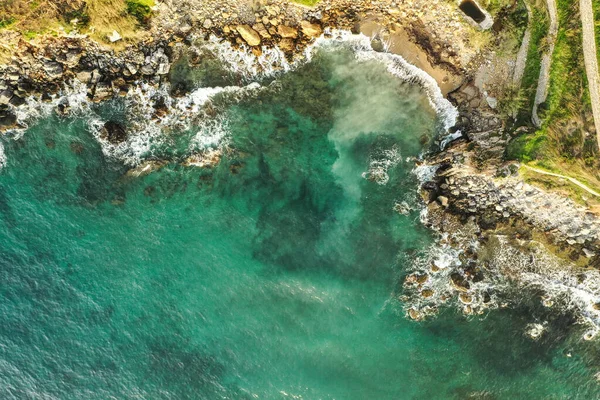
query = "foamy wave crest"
x=504 y=274
x=213 y=133
x=380 y=165
x=397 y=66
x=243 y=62
x=2 y=156
x=150 y=114
x=273 y=61
x=72 y=97
x=424 y=172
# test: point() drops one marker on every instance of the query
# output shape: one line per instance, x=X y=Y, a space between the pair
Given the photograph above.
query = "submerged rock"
x=146 y=168
x=535 y=331
x=207 y=159
x=113 y=132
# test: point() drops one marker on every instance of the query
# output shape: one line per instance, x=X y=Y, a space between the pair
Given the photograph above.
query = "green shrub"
x=140 y=10
x=5 y=22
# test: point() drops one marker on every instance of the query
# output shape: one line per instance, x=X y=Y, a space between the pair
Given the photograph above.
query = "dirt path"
x=542 y=90
x=572 y=180
x=586 y=11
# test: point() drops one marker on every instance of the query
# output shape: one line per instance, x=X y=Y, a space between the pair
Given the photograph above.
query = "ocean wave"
x=150 y=113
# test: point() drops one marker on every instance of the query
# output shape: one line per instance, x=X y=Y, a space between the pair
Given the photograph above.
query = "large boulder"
x=310 y=30
x=287 y=32
x=5 y=96
x=53 y=69
x=113 y=132
x=249 y=35
x=262 y=30
x=7 y=118
x=287 y=45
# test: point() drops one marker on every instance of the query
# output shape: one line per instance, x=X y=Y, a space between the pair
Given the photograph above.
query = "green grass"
x=6 y=22
x=567 y=97
x=561 y=145
x=539 y=29
x=140 y=10
x=596 y=6
x=307 y=2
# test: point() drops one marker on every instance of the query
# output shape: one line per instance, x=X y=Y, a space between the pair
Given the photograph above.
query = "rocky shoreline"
x=42 y=67
x=472 y=183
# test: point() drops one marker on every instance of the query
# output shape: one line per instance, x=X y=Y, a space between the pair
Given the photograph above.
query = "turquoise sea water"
x=274 y=275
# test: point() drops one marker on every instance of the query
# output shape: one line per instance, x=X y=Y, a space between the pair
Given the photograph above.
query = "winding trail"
x=590 y=57
x=572 y=180
x=542 y=90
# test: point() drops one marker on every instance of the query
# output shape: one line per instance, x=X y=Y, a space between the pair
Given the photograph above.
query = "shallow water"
x=273 y=275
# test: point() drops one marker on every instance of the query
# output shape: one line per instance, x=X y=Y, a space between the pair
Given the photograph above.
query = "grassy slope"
x=98 y=18
x=564 y=144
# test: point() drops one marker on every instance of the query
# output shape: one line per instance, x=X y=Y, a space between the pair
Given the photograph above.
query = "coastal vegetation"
x=307 y=2
x=98 y=18
x=565 y=143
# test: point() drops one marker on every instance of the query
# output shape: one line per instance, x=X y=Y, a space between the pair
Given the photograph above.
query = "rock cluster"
x=43 y=69
x=494 y=201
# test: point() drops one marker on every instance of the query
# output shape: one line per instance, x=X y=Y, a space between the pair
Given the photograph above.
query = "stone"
x=131 y=68
x=377 y=45
x=249 y=35
x=84 y=76
x=113 y=132
x=465 y=298
x=262 y=30
x=145 y=168
x=147 y=69
x=207 y=159
x=287 y=32
x=588 y=253
x=5 y=96
x=73 y=57
x=53 y=69
x=17 y=101
x=114 y=37
x=272 y=10
x=207 y=24
x=103 y=91
x=414 y=314
x=459 y=282
x=163 y=68
x=443 y=200
x=7 y=118
x=287 y=45
x=426 y=293
x=310 y=30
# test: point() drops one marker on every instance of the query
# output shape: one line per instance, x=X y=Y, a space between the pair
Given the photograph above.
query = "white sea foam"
x=147 y=131
x=242 y=61
x=272 y=61
x=424 y=172
x=2 y=156
x=380 y=165
x=510 y=275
